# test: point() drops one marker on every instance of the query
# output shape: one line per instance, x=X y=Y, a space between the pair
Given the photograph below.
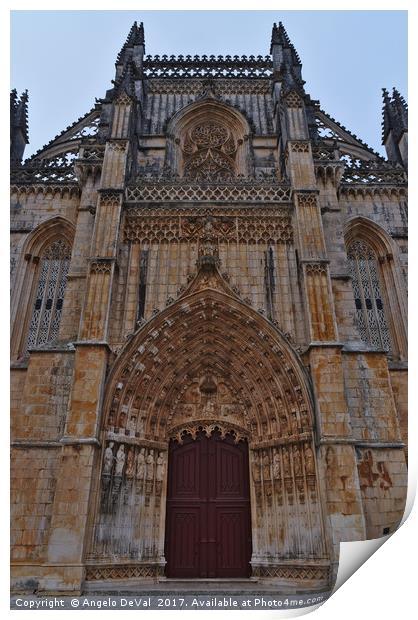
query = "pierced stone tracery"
x=49 y=297
x=209 y=153
x=370 y=314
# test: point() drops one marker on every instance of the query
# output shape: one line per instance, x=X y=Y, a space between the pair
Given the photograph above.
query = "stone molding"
x=189 y=86
x=277 y=228
x=123 y=571
x=231 y=192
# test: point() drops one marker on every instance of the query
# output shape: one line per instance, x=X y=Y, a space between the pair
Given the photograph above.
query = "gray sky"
x=66 y=58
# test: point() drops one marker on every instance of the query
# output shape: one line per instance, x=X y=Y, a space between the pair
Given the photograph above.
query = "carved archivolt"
x=209 y=332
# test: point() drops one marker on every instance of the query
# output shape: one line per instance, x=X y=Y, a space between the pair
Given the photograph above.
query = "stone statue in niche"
x=286 y=463
x=294 y=423
x=140 y=466
x=304 y=418
x=130 y=463
x=150 y=465
x=111 y=419
x=132 y=424
x=140 y=426
x=122 y=419
x=309 y=460
x=149 y=476
x=284 y=425
x=120 y=460
x=266 y=466
x=276 y=464
x=209 y=409
x=108 y=459
x=297 y=465
x=256 y=467
x=159 y=475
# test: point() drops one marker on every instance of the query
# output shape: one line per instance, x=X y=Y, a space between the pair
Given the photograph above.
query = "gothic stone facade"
x=206 y=252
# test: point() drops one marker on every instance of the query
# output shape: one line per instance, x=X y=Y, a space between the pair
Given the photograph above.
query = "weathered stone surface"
x=213 y=212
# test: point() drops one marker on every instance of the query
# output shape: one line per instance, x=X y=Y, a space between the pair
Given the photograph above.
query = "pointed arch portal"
x=211 y=373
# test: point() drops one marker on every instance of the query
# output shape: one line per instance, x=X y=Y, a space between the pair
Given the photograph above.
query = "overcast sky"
x=66 y=58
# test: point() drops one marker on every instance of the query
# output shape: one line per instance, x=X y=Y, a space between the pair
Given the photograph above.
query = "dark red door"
x=208 y=528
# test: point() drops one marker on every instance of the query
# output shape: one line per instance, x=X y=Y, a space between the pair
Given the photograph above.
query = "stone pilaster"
x=80 y=444
x=341 y=488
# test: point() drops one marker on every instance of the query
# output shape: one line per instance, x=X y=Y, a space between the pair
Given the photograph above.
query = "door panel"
x=183 y=544
x=208 y=531
x=233 y=540
x=230 y=474
x=185 y=472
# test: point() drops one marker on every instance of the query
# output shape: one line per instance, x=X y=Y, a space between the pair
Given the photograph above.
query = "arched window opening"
x=370 y=313
x=49 y=296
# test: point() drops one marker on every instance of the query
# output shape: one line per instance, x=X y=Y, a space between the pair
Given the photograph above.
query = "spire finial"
x=19 y=129
x=286 y=61
x=280 y=37
x=394 y=126
x=135 y=37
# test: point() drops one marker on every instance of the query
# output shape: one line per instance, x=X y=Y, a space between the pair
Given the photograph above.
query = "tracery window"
x=209 y=151
x=370 y=313
x=49 y=297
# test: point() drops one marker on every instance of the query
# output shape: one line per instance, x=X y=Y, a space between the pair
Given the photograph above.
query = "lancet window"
x=49 y=296
x=370 y=312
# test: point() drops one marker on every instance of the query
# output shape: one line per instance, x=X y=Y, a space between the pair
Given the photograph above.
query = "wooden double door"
x=208 y=524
